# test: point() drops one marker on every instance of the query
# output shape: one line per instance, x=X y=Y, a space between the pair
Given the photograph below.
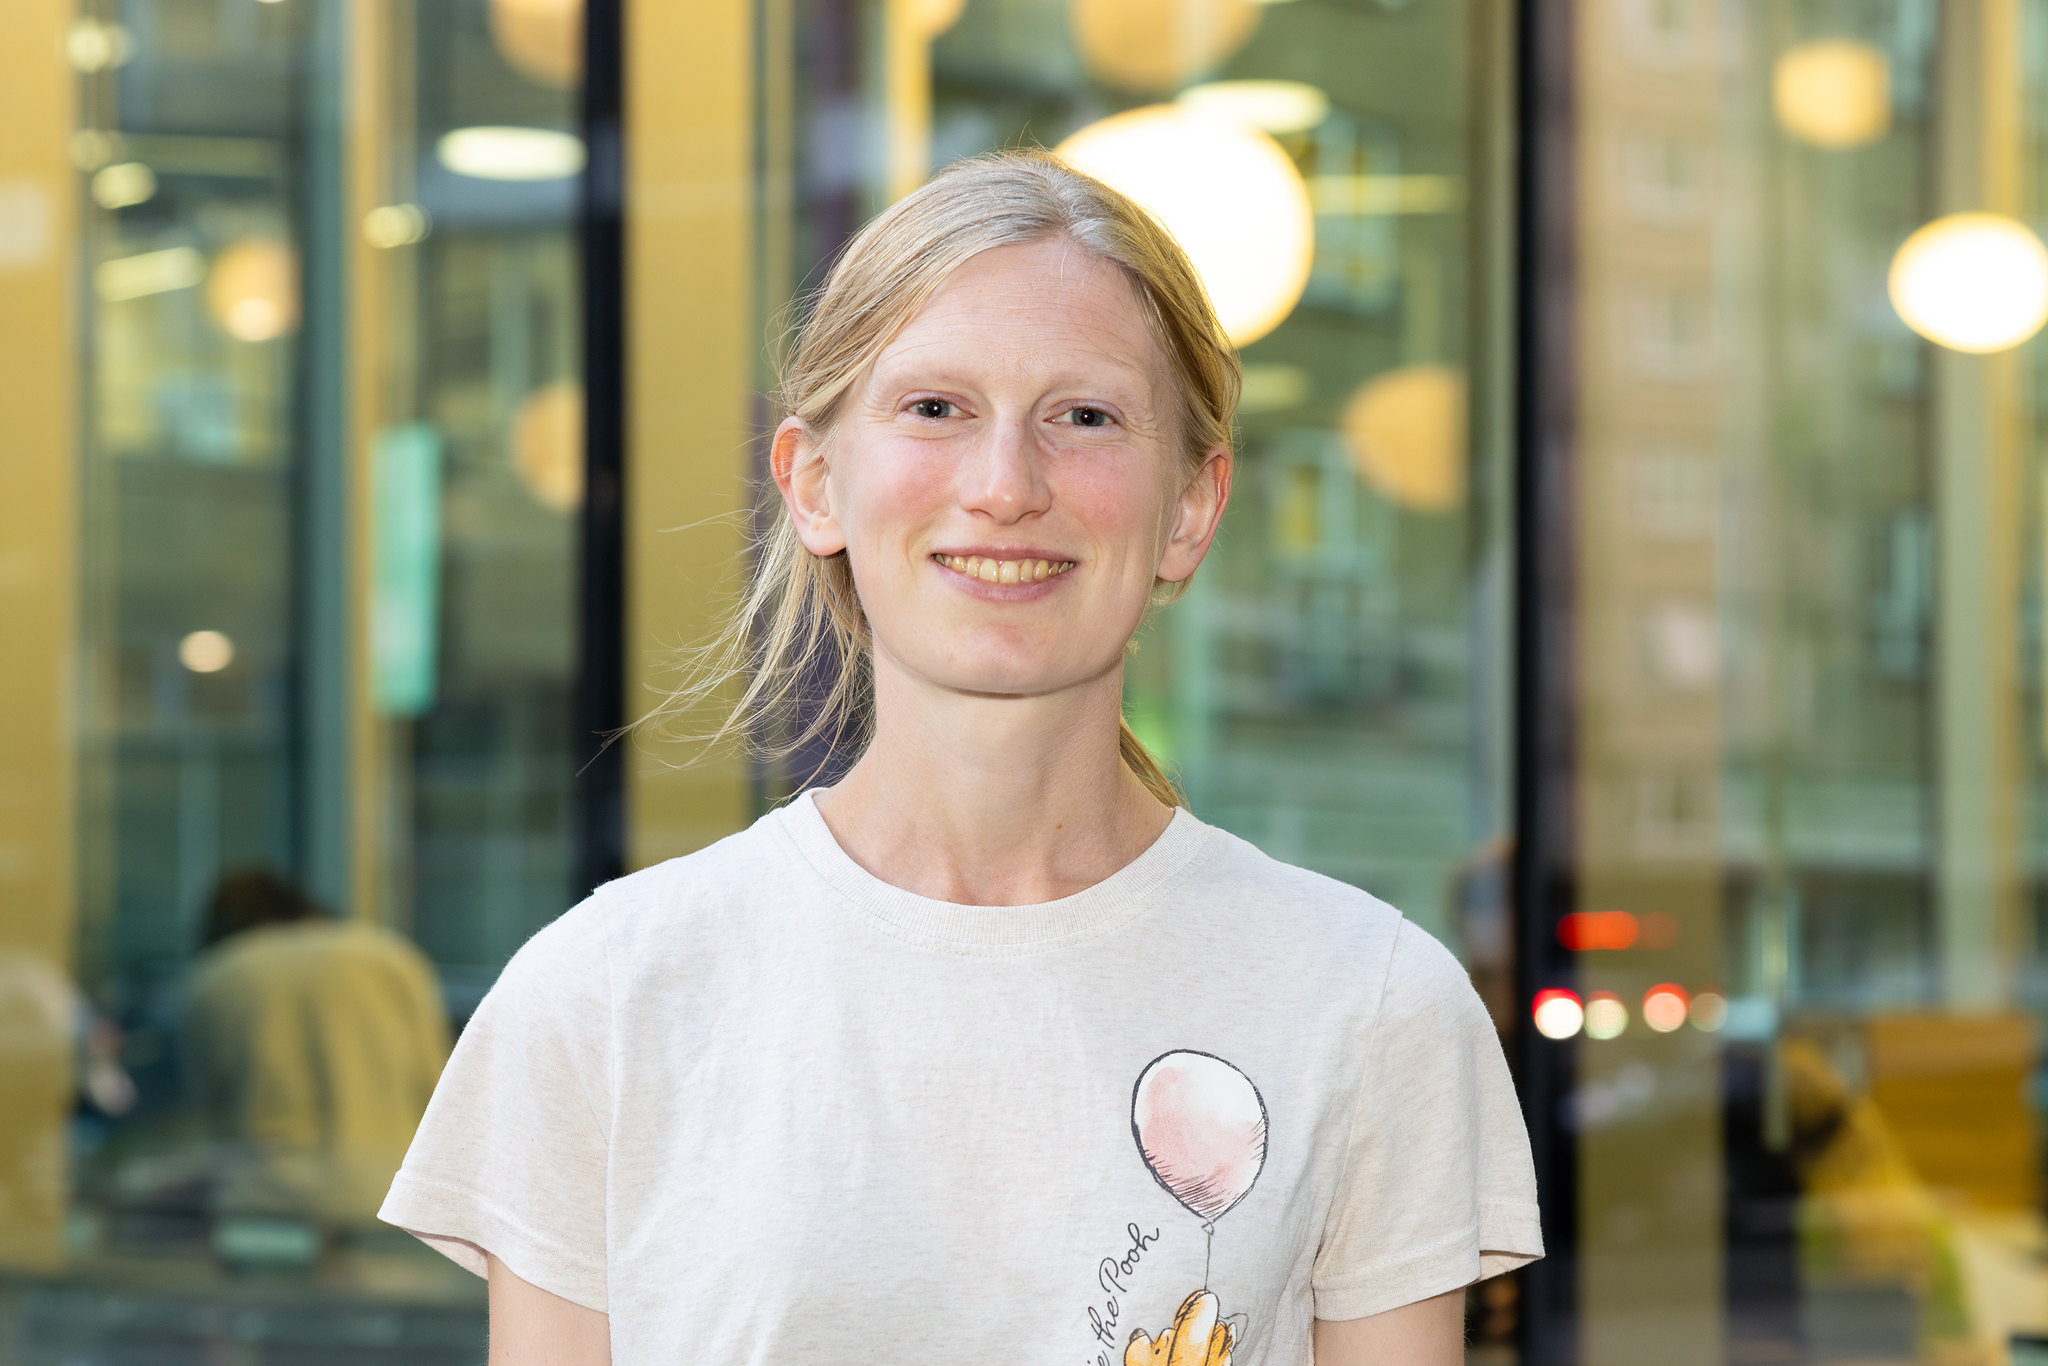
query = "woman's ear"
x=1197 y=516
x=804 y=480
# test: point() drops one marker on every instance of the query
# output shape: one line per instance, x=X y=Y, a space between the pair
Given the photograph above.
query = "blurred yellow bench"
x=1953 y=1090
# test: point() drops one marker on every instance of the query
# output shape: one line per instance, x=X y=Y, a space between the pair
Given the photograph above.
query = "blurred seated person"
x=311 y=1045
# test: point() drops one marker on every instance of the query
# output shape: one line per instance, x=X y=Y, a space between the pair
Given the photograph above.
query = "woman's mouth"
x=989 y=569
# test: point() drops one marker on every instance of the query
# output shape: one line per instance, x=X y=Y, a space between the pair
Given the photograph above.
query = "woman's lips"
x=990 y=569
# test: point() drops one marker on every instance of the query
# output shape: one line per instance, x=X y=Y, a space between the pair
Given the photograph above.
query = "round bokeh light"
x=1557 y=1013
x=206 y=652
x=1664 y=1007
x=1833 y=92
x=1405 y=430
x=1158 y=45
x=1606 y=1016
x=1709 y=1011
x=1229 y=195
x=1975 y=282
x=252 y=291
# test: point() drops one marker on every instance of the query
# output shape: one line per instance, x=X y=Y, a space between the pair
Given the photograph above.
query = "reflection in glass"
x=1330 y=686
x=1807 y=681
x=330 y=481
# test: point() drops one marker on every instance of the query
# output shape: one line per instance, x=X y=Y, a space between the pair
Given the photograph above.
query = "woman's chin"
x=1003 y=679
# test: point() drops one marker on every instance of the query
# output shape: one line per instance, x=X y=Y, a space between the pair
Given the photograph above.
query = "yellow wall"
x=38 y=520
x=691 y=340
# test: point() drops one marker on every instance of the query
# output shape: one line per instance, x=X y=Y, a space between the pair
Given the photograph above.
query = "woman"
x=989 y=1052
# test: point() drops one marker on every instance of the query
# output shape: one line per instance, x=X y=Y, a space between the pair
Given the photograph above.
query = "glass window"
x=1806 y=533
x=329 y=475
x=1334 y=686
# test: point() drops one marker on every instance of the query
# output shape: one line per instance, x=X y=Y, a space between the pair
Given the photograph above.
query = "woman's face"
x=1005 y=479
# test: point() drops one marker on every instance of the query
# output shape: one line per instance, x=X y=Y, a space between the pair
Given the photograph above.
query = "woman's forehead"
x=1031 y=306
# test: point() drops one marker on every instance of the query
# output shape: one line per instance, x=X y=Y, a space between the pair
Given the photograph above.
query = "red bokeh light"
x=1664 y=1006
x=1583 y=930
x=1557 y=1013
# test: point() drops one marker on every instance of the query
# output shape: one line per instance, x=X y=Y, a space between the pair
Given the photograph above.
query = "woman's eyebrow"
x=938 y=372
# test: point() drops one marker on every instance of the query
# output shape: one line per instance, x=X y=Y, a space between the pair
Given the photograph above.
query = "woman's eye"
x=1087 y=417
x=933 y=408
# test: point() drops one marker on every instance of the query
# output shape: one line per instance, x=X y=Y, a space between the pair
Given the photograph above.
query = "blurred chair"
x=311 y=1045
x=1925 y=1178
x=1953 y=1091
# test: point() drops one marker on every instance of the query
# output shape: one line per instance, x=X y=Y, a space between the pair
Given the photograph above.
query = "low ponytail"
x=1139 y=761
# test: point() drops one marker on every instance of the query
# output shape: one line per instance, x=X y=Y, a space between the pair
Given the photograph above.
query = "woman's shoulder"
x=1239 y=873
x=1307 y=927
x=665 y=901
x=1307 y=924
x=739 y=865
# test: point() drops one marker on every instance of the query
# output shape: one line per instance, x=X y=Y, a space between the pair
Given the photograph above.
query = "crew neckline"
x=950 y=925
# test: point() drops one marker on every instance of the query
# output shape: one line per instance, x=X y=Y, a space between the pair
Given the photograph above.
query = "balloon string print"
x=1201 y=1128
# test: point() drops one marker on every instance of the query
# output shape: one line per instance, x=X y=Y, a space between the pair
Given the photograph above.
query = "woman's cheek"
x=890 y=496
x=1119 y=512
x=904 y=486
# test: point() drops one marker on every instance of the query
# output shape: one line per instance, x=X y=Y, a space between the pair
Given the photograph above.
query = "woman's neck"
x=992 y=801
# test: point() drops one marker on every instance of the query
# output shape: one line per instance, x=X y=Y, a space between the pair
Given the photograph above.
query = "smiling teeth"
x=991 y=570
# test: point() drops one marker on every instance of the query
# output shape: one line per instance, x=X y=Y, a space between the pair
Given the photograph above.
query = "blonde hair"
x=800 y=622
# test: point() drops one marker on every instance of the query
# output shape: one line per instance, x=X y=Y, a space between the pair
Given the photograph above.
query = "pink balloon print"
x=1201 y=1126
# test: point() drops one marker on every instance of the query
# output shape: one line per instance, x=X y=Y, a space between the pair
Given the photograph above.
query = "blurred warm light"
x=92 y=148
x=97 y=45
x=1833 y=93
x=547 y=445
x=1230 y=196
x=1275 y=106
x=396 y=225
x=1406 y=433
x=253 y=290
x=1273 y=388
x=206 y=652
x=933 y=17
x=1365 y=196
x=1709 y=1011
x=1158 y=45
x=123 y=185
x=1584 y=930
x=542 y=40
x=1606 y=1016
x=1664 y=1007
x=153 y=272
x=1972 y=281
x=1558 y=1013
x=510 y=153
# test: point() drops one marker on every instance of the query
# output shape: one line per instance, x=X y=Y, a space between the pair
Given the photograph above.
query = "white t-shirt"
x=760 y=1106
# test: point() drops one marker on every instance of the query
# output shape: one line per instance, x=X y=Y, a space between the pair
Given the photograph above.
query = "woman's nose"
x=1004 y=478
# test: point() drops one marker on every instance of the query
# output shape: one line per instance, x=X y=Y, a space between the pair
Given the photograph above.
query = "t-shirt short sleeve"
x=1438 y=1189
x=510 y=1158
